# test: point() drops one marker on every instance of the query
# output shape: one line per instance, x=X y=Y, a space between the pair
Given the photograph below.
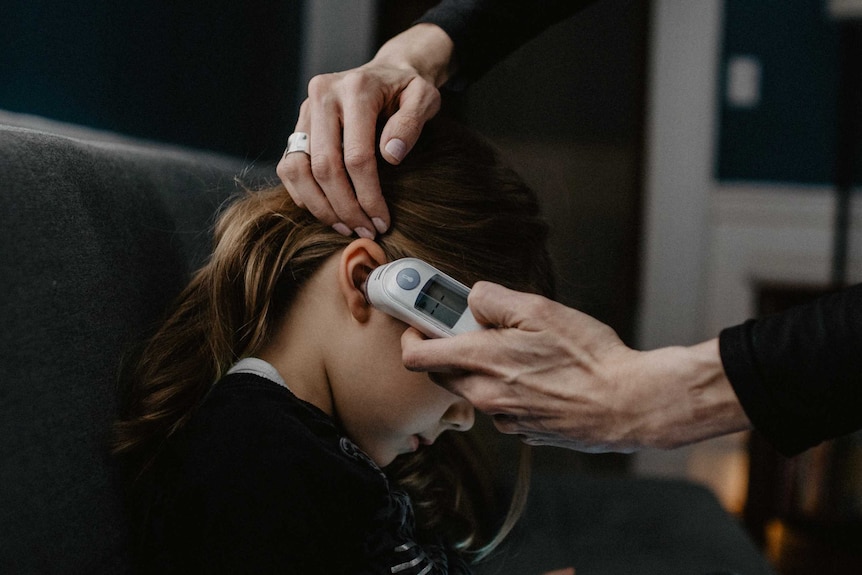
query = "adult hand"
x=337 y=179
x=556 y=376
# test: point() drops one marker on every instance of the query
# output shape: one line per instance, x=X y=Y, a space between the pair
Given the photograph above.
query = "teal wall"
x=219 y=74
x=790 y=136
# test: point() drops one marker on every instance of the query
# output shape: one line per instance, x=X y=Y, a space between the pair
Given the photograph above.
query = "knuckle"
x=356 y=81
x=319 y=85
x=324 y=167
x=358 y=159
x=410 y=355
x=408 y=358
x=478 y=294
x=537 y=306
x=288 y=170
x=428 y=101
x=411 y=123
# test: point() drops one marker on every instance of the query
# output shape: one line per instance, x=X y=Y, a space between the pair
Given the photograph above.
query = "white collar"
x=258 y=367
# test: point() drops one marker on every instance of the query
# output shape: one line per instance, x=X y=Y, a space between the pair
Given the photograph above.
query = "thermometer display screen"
x=442 y=300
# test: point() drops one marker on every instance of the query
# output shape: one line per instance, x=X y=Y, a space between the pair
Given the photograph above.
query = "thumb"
x=496 y=306
x=418 y=103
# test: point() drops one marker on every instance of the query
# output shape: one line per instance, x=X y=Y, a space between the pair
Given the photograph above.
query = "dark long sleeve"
x=486 y=31
x=798 y=374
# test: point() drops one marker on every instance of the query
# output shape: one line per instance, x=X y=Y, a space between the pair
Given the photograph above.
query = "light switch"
x=743 y=81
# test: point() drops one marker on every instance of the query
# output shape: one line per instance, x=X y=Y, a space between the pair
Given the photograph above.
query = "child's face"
x=384 y=408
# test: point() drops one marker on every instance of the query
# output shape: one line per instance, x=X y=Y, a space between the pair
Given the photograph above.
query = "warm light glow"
x=776 y=534
x=722 y=465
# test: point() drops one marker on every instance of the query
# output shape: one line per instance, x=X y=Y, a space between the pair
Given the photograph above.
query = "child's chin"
x=384 y=462
x=384 y=457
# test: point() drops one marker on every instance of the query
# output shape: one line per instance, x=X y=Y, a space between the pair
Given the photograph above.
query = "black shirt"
x=260 y=481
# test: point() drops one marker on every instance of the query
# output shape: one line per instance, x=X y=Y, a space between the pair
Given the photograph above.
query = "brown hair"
x=453 y=204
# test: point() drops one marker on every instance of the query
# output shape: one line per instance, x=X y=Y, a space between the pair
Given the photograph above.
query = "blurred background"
x=698 y=161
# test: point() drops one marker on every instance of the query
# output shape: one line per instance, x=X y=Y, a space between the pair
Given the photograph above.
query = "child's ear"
x=358 y=260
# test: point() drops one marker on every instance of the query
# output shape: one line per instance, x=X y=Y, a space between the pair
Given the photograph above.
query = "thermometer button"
x=407 y=279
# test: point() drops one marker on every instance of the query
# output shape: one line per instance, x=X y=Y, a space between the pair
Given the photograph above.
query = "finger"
x=289 y=173
x=486 y=392
x=488 y=395
x=584 y=444
x=477 y=351
x=360 y=125
x=288 y=169
x=327 y=159
x=505 y=423
x=495 y=305
x=418 y=103
x=419 y=353
x=513 y=420
x=294 y=171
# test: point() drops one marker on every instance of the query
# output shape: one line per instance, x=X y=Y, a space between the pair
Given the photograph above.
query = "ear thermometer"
x=422 y=296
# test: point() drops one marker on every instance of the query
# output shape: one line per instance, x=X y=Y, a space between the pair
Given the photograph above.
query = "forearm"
x=424 y=48
x=688 y=395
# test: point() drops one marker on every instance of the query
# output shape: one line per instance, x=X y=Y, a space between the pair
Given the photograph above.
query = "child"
x=271 y=426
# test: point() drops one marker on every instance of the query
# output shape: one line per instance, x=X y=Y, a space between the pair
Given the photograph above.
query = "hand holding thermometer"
x=422 y=296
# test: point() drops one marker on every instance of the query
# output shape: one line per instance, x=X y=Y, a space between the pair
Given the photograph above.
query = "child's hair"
x=452 y=204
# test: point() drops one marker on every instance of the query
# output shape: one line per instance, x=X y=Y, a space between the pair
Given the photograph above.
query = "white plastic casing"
x=422 y=296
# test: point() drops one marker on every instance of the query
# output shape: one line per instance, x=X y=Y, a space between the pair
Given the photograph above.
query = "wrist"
x=697 y=401
x=423 y=48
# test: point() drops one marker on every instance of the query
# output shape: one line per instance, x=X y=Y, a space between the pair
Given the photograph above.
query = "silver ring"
x=297 y=142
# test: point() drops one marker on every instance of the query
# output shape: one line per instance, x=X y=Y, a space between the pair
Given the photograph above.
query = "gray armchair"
x=97 y=234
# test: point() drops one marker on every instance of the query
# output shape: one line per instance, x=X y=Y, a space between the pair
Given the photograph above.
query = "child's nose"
x=460 y=416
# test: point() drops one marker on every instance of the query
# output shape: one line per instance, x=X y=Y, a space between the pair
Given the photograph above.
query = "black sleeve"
x=486 y=31
x=798 y=374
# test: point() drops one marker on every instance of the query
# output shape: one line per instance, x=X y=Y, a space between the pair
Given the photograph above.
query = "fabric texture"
x=637 y=518
x=486 y=31
x=98 y=235
x=798 y=374
x=260 y=481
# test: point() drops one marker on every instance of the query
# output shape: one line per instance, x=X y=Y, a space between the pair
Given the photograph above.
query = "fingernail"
x=396 y=148
x=364 y=233
x=342 y=229
x=380 y=225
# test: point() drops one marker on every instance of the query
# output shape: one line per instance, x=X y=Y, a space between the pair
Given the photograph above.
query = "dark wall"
x=581 y=80
x=568 y=108
x=219 y=74
x=791 y=134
